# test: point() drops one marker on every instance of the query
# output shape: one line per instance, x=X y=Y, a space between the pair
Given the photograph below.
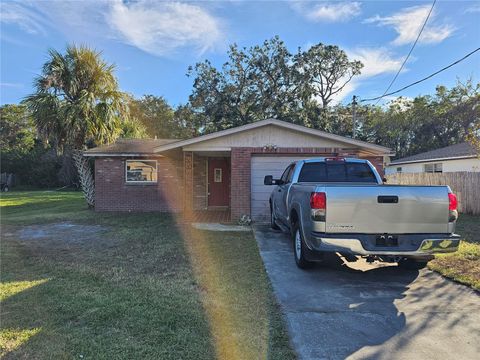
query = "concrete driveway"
x=359 y=311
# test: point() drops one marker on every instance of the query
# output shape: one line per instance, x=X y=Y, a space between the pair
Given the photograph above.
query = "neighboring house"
x=459 y=157
x=222 y=170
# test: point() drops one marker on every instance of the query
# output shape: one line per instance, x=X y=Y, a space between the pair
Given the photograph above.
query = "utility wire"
x=409 y=53
x=425 y=78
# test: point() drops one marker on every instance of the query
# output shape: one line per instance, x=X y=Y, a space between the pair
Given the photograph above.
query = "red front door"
x=218 y=181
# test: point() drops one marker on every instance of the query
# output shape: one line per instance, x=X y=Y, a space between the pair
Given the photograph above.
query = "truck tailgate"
x=386 y=209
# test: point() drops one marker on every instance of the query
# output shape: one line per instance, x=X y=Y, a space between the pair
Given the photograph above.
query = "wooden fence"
x=466 y=185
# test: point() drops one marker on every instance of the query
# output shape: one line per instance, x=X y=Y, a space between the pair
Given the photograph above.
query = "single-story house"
x=221 y=170
x=458 y=157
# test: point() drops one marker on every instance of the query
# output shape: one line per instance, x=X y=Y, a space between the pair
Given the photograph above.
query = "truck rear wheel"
x=299 y=249
x=412 y=264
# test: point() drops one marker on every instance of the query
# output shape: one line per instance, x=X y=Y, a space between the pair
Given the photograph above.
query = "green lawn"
x=463 y=265
x=79 y=284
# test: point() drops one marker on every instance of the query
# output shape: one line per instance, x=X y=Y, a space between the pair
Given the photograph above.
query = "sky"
x=152 y=43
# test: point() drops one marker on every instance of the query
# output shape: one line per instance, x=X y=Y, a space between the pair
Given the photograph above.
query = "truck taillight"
x=318 y=201
x=452 y=202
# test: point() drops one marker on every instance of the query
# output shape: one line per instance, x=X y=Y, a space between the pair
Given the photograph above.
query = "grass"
x=31 y=207
x=129 y=286
x=464 y=265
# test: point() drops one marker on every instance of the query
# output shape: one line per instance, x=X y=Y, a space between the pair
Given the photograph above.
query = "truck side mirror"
x=384 y=179
x=268 y=180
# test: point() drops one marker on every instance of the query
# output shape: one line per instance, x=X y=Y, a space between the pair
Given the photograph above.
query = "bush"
x=40 y=167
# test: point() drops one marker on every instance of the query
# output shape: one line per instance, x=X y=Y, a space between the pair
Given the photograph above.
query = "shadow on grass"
x=127 y=289
x=463 y=266
x=243 y=315
x=128 y=293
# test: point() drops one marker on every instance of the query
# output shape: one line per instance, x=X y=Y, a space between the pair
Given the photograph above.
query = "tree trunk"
x=85 y=176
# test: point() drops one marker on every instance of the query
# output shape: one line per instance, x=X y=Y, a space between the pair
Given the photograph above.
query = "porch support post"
x=240 y=176
x=188 y=179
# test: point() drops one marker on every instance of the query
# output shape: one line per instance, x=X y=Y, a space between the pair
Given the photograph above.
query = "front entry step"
x=220 y=227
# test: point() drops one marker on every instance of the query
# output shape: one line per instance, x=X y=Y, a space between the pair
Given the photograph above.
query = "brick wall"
x=112 y=193
x=240 y=179
x=376 y=161
x=185 y=178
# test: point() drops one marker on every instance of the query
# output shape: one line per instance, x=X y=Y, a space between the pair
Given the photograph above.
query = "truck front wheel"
x=299 y=249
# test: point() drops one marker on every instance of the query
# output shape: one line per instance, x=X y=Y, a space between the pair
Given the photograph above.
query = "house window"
x=217 y=176
x=141 y=171
x=433 y=168
x=399 y=169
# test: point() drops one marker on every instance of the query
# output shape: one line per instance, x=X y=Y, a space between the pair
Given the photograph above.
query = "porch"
x=210 y=216
x=207 y=183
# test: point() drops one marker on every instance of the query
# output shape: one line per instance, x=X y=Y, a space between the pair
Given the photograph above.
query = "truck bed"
x=393 y=209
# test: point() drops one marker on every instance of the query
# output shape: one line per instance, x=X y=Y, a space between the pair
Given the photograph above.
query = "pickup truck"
x=342 y=205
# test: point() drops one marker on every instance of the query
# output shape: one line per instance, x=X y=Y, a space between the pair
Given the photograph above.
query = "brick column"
x=376 y=161
x=240 y=180
x=188 y=180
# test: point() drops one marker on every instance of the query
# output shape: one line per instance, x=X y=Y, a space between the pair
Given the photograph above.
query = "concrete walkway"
x=361 y=311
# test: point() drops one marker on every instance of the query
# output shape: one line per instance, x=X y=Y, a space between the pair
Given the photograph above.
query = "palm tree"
x=77 y=101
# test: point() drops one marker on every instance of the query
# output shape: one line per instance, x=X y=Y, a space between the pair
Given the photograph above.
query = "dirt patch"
x=65 y=232
x=99 y=248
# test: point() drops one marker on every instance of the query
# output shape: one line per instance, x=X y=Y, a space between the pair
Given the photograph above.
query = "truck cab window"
x=287 y=174
x=284 y=175
x=290 y=173
x=336 y=172
x=359 y=172
x=313 y=172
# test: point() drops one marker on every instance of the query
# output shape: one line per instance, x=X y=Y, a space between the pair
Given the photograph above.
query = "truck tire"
x=273 y=223
x=411 y=264
x=299 y=249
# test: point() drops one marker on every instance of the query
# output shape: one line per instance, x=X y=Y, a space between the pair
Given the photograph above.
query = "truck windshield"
x=336 y=172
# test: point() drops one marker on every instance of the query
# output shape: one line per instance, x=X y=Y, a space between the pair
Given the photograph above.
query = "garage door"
x=261 y=166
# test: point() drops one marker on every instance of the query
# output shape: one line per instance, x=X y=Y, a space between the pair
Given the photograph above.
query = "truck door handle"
x=279 y=190
x=387 y=199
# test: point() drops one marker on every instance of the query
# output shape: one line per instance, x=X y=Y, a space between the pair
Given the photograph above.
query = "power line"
x=425 y=78
x=410 y=52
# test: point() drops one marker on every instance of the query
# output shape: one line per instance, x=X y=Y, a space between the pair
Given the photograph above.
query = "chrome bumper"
x=354 y=246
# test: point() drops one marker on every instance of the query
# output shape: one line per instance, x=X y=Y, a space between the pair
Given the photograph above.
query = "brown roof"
x=129 y=147
x=452 y=151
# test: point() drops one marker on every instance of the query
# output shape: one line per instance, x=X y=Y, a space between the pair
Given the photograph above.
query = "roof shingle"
x=129 y=146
